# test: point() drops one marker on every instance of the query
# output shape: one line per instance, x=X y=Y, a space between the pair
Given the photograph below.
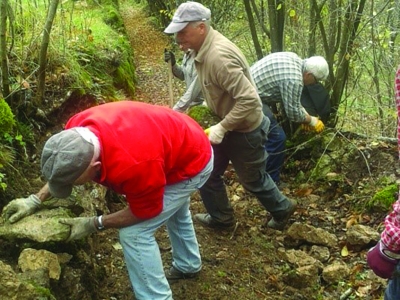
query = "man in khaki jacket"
x=230 y=93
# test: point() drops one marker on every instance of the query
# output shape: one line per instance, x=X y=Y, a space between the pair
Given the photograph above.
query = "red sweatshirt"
x=144 y=148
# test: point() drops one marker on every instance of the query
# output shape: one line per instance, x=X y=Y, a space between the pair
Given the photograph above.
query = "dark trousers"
x=248 y=156
x=275 y=146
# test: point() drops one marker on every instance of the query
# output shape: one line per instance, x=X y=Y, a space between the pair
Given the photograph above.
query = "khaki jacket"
x=227 y=85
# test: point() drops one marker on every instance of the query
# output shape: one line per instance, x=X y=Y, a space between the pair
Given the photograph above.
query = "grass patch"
x=89 y=52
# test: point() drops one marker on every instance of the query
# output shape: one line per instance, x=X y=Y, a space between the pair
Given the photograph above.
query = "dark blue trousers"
x=275 y=146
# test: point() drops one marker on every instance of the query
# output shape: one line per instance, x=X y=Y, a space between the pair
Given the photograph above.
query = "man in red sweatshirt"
x=154 y=156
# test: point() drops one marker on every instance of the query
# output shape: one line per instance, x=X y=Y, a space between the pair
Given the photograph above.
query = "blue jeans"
x=275 y=146
x=141 y=251
x=393 y=289
x=248 y=156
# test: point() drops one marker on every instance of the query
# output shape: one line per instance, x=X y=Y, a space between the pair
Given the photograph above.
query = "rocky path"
x=251 y=262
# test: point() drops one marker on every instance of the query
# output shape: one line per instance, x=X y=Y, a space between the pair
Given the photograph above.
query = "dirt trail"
x=148 y=45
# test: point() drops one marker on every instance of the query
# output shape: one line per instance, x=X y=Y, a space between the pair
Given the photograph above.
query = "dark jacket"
x=315 y=99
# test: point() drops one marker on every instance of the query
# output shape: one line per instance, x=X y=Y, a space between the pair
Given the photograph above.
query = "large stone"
x=335 y=272
x=361 y=236
x=312 y=235
x=42 y=226
x=32 y=260
x=301 y=259
x=12 y=288
x=321 y=253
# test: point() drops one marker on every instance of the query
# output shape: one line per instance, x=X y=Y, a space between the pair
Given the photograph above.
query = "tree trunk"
x=43 y=50
x=260 y=19
x=375 y=76
x=350 y=25
x=276 y=21
x=3 y=50
x=253 y=30
x=394 y=24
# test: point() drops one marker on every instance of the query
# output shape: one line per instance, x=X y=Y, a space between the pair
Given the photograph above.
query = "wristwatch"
x=100 y=225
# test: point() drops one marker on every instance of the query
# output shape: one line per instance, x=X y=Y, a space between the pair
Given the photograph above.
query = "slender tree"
x=260 y=18
x=351 y=23
x=276 y=13
x=253 y=30
x=3 y=49
x=43 y=50
x=394 y=24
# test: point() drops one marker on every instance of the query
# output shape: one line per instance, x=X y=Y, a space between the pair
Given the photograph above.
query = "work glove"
x=21 y=208
x=215 y=133
x=80 y=227
x=306 y=127
x=168 y=55
x=316 y=124
x=382 y=261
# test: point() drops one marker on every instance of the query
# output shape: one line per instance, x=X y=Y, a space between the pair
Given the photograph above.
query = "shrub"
x=7 y=119
x=203 y=115
x=384 y=198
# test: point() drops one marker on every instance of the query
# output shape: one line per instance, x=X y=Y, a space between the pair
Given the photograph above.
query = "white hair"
x=318 y=66
x=91 y=138
x=206 y=22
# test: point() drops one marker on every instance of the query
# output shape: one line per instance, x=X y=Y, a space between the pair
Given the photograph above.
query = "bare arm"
x=44 y=193
x=120 y=219
x=308 y=119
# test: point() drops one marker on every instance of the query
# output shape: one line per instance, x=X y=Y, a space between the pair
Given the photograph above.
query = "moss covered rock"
x=384 y=198
x=42 y=226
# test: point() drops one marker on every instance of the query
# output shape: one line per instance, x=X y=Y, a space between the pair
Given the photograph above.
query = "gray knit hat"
x=65 y=156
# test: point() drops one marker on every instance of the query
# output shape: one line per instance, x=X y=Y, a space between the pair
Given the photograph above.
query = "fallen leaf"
x=303 y=192
x=358 y=268
x=345 y=251
x=353 y=220
x=117 y=246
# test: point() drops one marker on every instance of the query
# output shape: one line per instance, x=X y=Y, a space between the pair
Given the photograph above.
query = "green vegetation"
x=7 y=123
x=263 y=244
x=100 y=56
x=7 y=120
x=384 y=198
x=3 y=185
x=42 y=293
x=203 y=115
x=89 y=53
x=221 y=273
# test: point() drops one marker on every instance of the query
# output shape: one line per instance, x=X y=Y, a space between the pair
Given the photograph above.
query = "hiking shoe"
x=208 y=221
x=280 y=223
x=174 y=274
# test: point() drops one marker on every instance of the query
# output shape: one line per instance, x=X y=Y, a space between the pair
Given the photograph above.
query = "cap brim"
x=60 y=190
x=175 y=27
